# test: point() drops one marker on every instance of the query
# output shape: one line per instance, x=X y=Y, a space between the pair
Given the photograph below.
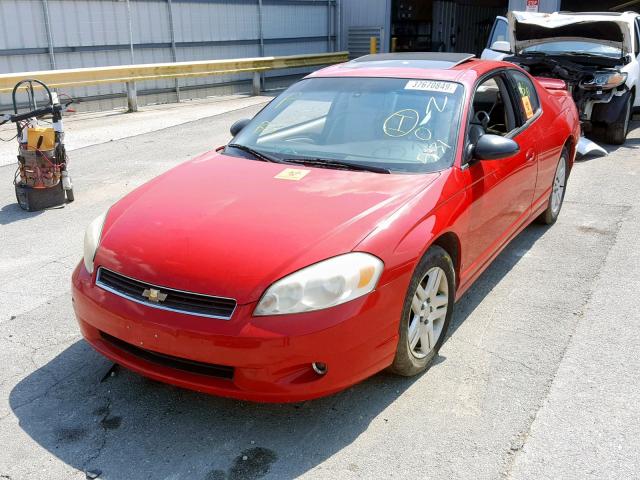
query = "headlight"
x=604 y=81
x=325 y=284
x=91 y=241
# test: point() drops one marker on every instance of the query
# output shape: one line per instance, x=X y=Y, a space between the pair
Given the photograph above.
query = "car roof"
x=460 y=67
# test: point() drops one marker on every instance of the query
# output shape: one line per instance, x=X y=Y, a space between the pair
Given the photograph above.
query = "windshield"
x=574 y=47
x=394 y=124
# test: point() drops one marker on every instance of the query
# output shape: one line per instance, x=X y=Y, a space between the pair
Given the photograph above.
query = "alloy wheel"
x=428 y=312
x=559 y=181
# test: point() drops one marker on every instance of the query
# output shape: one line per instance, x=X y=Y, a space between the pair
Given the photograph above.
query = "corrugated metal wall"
x=462 y=26
x=366 y=13
x=87 y=33
x=474 y=26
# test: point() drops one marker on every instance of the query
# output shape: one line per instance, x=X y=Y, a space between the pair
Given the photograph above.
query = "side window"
x=498 y=32
x=491 y=109
x=528 y=101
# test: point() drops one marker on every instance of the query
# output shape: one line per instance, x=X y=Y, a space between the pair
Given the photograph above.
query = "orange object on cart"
x=34 y=134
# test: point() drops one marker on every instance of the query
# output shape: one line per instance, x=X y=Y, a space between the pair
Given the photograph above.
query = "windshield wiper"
x=330 y=163
x=265 y=157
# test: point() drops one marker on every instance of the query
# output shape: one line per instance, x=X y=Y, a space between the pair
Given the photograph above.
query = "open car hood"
x=528 y=29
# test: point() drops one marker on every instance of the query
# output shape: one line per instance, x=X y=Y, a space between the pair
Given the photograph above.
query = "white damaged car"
x=596 y=54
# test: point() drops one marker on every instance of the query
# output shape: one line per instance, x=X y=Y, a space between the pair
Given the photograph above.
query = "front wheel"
x=556 y=198
x=616 y=132
x=426 y=314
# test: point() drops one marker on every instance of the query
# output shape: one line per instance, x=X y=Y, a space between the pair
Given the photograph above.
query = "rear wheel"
x=426 y=314
x=556 y=198
x=616 y=132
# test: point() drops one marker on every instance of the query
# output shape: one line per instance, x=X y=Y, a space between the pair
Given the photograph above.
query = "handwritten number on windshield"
x=404 y=122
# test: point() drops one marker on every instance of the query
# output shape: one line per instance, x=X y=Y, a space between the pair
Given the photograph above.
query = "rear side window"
x=526 y=95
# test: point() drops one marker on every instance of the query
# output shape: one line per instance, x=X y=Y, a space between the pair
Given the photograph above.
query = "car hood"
x=529 y=28
x=228 y=226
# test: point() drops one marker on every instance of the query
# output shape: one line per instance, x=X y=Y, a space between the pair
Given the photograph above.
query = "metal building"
x=55 y=34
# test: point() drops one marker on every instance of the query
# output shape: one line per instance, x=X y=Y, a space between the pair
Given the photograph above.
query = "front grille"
x=175 y=300
x=201 y=368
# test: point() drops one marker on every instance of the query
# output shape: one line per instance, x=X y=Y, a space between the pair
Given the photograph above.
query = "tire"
x=616 y=132
x=554 y=205
x=436 y=310
x=70 y=197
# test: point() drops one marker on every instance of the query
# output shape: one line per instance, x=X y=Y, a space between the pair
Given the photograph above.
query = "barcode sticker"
x=431 y=86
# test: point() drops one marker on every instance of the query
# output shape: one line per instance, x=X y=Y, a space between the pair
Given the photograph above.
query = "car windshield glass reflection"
x=390 y=124
x=575 y=47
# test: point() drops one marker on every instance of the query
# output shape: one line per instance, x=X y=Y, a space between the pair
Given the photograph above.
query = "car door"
x=501 y=191
x=498 y=45
x=529 y=109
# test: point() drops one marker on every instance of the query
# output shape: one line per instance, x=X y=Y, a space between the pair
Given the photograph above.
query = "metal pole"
x=329 y=26
x=174 y=52
x=261 y=81
x=255 y=87
x=47 y=25
x=338 y=21
x=132 y=95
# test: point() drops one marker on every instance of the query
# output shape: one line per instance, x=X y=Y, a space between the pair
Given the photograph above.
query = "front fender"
x=402 y=239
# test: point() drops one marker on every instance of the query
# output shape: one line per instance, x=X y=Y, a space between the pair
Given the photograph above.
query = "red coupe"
x=330 y=239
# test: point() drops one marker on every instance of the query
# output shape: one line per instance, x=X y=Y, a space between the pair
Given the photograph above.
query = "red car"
x=330 y=239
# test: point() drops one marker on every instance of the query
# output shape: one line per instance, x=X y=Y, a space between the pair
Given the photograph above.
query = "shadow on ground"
x=126 y=426
x=13 y=213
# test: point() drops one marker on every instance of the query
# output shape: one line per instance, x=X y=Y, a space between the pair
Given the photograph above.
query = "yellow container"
x=48 y=135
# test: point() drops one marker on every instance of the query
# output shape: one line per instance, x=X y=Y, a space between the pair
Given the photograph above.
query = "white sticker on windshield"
x=431 y=86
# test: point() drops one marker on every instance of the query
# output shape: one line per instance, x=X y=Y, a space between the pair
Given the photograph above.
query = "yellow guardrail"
x=129 y=74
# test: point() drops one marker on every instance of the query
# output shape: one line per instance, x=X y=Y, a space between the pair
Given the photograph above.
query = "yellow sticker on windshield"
x=526 y=103
x=292 y=174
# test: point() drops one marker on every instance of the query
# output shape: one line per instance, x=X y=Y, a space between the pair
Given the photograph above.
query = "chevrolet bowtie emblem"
x=154 y=295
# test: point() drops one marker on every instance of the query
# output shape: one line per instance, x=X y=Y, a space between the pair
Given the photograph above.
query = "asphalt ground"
x=538 y=377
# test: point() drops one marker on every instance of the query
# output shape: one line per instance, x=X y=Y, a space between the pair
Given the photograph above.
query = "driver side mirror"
x=494 y=147
x=501 y=46
x=238 y=126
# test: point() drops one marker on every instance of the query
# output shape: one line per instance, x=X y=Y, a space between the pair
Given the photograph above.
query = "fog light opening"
x=319 y=367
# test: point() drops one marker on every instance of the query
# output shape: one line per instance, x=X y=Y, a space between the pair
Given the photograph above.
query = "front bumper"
x=269 y=357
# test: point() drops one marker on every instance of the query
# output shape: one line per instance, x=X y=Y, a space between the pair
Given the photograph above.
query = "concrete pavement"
x=536 y=380
x=589 y=424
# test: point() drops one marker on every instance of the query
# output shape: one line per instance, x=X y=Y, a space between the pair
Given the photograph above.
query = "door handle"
x=530 y=156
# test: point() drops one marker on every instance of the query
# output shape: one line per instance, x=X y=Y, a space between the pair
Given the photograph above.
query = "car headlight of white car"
x=92 y=240
x=604 y=81
x=322 y=285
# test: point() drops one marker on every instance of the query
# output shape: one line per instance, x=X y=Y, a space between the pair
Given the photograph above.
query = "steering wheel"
x=481 y=118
